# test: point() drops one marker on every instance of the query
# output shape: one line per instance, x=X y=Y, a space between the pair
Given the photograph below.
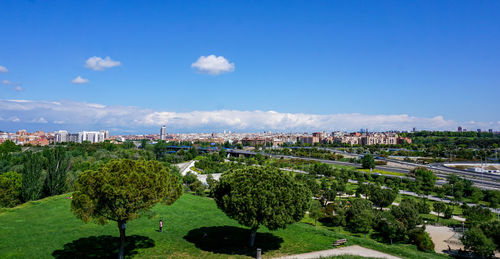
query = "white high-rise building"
x=163 y=133
x=92 y=136
x=61 y=136
x=106 y=133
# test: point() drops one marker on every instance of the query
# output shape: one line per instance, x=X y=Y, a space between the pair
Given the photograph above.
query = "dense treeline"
x=45 y=171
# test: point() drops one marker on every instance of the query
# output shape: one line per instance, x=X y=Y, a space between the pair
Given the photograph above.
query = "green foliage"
x=10 y=189
x=382 y=197
x=407 y=214
x=476 y=215
x=121 y=189
x=439 y=207
x=198 y=188
x=448 y=212
x=389 y=227
x=57 y=165
x=368 y=161
x=475 y=240
x=189 y=178
x=32 y=177
x=9 y=146
x=492 y=230
x=423 y=206
x=257 y=196
x=315 y=212
x=425 y=179
x=360 y=216
x=422 y=240
x=63 y=235
x=211 y=181
x=214 y=164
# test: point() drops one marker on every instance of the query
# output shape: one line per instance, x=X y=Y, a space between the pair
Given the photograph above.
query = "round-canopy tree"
x=121 y=190
x=257 y=196
x=368 y=162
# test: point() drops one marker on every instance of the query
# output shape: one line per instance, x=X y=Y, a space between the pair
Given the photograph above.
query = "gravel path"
x=348 y=250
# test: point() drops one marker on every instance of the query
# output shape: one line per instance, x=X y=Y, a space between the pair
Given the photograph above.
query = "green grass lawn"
x=194 y=228
x=374 y=171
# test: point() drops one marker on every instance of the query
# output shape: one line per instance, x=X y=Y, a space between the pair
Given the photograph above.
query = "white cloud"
x=14 y=119
x=99 y=64
x=39 y=120
x=3 y=69
x=213 y=65
x=7 y=82
x=79 y=80
x=129 y=118
x=18 y=88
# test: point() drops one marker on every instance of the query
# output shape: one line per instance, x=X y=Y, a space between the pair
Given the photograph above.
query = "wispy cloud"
x=99 y=64
x=126 y=118
x=17 y=86
x=79 y=80
x=213 y=65
x=3 y=69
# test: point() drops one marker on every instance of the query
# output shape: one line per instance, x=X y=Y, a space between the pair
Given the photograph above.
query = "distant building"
x=309 y=139
x=459 y=129
x=92 y=136
x=478 y=130
x=61 y=136
x=490 y=130
x=163 y=133
x=414 y=129
x=106 y=133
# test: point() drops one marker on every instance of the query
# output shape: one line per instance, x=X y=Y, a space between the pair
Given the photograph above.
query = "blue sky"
x=427 y=60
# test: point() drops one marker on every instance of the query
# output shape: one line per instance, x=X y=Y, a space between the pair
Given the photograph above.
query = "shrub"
x=422 y=240
x=10 y=189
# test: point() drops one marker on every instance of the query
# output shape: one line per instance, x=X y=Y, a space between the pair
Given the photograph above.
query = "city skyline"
x=203 y=67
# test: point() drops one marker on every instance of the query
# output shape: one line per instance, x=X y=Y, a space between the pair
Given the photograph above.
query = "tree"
x=382 y=197
x=315 y=211
x=121 y=190
x=211 y=181
x=475 y=215
x=32 y=182
x=407 y=213
x=390 y=228
x=9 y=146
x=368 y=162
x=10 y=189
x=425 y=179
x=57 y=165
x=492 y=230
x=360 y=216
x=475 y=240
x=257 y=196
x=421 y=239
x=439 y=207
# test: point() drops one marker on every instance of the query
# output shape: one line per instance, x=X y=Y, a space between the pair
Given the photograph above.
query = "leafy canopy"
x=121 y=189
x=261 y=196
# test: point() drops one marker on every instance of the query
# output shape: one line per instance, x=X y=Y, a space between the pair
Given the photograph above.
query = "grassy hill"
x=194 y=228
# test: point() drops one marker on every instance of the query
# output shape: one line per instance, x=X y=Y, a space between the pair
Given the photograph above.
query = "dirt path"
x=348 y=250
x=443 y=237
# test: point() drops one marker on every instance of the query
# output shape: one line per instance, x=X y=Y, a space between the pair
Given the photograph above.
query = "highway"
x=483 y=181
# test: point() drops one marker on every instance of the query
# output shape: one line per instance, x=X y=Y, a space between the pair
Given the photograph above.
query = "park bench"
x=340 y=242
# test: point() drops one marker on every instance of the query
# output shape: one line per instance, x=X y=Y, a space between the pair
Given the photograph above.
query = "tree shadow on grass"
x=102 y=247
x=231 y=240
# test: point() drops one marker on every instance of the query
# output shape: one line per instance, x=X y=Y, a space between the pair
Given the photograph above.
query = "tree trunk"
x=121 y=227
x=253 y=233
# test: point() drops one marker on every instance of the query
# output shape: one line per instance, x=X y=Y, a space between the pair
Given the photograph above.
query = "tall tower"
x=163 y=133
